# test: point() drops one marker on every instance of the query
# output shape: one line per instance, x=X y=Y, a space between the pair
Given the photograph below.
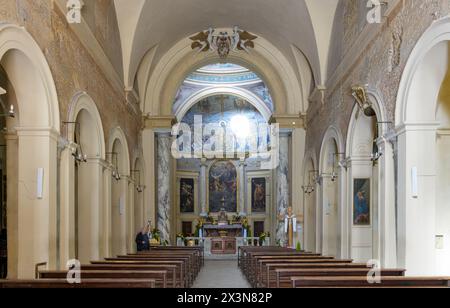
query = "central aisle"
x=221 y=275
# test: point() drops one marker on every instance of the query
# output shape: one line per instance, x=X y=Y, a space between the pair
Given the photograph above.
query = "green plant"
x=299 y=246
x=156 y=234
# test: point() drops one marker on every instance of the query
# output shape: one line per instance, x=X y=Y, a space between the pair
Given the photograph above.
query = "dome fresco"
x=222 y=75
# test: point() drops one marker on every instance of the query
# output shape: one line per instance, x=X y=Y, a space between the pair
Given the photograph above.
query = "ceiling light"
x=240 y=126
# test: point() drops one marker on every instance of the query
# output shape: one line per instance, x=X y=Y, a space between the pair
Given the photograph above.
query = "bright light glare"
x=240 y=126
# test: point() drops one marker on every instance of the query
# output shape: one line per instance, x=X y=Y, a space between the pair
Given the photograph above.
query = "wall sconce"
x=360 y=95
x=115 y=166
x=75 y=147
x=376 y=154
x=139 y=188
x=11 y=113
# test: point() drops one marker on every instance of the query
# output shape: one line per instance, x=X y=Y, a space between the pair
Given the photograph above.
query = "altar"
x=224 y=230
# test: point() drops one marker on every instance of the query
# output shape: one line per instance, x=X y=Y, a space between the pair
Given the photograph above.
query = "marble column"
x=164 y=158
x=242 y=191
x=283 y=193
x=204 y=211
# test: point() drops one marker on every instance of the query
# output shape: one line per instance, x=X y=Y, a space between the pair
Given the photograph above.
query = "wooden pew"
x=190 y=270
x=160 y=277
x=259 y=268
x=199 y=249
x=361 y=282
x=269 y=273
x=172 y=278
x=85 y=284
x=250 y=262
x=283 y=276
x=180 y=267
x=193 y=259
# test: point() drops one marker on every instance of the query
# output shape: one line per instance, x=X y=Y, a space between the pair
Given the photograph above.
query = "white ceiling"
x=145 y=24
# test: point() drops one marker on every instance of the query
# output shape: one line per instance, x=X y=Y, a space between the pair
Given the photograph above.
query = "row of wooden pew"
x=276 y=267
x=161 y=267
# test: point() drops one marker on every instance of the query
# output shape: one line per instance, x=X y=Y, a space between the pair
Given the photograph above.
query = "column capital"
x=289 y=121
x=318 y=95
x=159 y=123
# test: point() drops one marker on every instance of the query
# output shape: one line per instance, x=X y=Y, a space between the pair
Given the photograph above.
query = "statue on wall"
x=290 y=226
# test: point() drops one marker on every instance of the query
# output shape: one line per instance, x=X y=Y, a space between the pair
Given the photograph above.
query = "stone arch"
x=310 y=201
x=266 y=60
x=331 y=193
x=121 y=211
x=37 y=131
x=212 y=91
x=82 y=186
x=422 y=154
x=82 y=101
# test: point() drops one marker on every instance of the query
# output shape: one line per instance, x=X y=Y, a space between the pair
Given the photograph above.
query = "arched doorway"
x=81 y=184
x=31 y=208
x=422 y=122
x=363 y=186
x=331 y=192
x=8 y=173
x=120 y=213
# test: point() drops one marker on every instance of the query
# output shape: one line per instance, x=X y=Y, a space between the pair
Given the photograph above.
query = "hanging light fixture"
x=115 y=167
x=312 y=181
x=139 y=188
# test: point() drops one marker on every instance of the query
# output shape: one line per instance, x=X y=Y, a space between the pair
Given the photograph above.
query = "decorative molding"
x=318 y=95
x=159 y=122
x=289 y=121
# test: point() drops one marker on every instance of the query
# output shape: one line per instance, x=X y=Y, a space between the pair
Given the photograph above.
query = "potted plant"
x=181 y=239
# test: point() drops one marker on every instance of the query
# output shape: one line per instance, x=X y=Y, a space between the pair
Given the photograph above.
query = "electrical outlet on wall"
x=439 y=242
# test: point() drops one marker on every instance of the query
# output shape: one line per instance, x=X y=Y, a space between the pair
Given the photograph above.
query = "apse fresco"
x=223 y=187
x=361 y=206
x=223 y=110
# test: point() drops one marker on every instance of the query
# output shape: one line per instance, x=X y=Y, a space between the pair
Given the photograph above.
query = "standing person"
x=143 y=240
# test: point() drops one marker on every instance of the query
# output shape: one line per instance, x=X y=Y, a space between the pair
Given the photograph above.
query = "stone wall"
x=72 y=67
x=380 y=65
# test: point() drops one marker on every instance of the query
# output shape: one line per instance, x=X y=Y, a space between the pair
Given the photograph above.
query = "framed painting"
x=223 y=187
x=361 y=202
x=187 y=195
x=258 y=195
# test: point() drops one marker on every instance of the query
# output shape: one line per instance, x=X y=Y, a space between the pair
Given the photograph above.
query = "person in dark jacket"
x=143 y=240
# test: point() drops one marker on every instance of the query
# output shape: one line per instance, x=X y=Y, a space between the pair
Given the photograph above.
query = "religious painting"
x=258 y=195
x=187 y=199
x=223 y=187
x=361 y=202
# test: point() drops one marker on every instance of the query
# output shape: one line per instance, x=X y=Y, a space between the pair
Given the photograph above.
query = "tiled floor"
x=221 y=275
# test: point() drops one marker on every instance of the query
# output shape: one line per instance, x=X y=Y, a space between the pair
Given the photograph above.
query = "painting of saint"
x=361 y=200
x=259 y=195
x=187 y=196
x=223 y=187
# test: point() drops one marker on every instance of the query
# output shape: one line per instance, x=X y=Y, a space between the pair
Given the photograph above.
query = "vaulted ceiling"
x=146 y=24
